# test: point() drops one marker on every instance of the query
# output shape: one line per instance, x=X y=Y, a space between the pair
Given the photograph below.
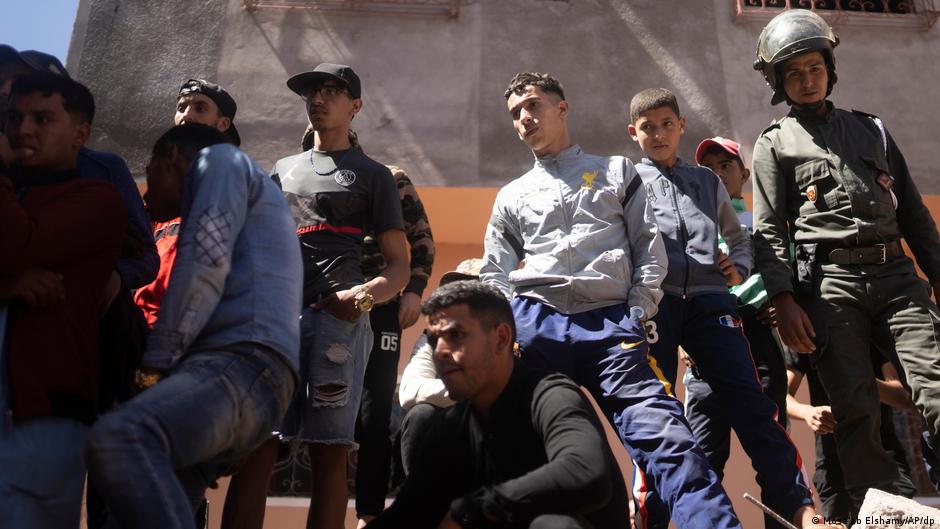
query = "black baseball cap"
x=326 y=71
x=37 y=60
x=220 y=97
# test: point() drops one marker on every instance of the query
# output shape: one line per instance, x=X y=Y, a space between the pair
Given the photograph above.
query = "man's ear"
x=746 y=175
x=682 y=125
x=224 y=123
x=356 y=107
x=504 y=341
x=82 y=133
x=631 y=131
x=563 y=109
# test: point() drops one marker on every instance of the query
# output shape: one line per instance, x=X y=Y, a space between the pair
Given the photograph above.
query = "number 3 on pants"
x=651 y=335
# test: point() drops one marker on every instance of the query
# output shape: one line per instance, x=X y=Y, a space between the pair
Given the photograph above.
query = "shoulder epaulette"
x=774 y=125
x=878 y=123
x=866 y=114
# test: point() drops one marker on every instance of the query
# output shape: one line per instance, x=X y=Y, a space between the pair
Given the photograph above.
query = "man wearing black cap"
x=208 y=103
x=199 y=101
x=337 y=194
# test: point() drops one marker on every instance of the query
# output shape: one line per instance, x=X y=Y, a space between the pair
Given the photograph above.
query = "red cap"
x=729 y=146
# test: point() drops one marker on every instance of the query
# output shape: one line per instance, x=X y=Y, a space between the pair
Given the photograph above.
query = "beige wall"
x=433 y=84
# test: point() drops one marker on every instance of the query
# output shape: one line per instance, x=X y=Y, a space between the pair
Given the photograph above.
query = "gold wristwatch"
x=363 y=300
x=146 y=380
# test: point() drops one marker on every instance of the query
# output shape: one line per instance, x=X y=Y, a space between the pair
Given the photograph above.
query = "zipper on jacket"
x=567 y=223
x=682 y=234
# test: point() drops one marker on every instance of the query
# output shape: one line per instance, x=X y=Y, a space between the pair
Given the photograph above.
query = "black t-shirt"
x=336 y=198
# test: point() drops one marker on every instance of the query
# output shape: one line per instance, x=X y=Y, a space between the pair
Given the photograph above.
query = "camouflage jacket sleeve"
x=418 y=231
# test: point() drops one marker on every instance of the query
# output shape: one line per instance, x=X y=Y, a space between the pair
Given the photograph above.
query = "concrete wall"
x=433 y=85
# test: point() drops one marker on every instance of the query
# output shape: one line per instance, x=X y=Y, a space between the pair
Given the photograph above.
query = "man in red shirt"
x=72 y=228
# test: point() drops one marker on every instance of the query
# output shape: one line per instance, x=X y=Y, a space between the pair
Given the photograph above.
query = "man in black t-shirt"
x=336 y=194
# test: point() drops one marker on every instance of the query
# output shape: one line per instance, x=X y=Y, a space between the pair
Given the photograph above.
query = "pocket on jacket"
x=816 y=184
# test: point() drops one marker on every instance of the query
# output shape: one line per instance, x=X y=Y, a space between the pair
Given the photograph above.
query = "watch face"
x=367 y=304
x=364 y=301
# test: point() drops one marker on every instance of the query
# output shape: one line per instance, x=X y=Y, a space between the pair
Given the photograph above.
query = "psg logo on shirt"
x=344 y=177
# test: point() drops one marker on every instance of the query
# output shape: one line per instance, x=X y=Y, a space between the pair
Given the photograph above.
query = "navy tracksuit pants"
x=709 y=329
x=605 y=351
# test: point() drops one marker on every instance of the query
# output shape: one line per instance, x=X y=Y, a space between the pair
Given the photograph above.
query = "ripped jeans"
x=333 y=358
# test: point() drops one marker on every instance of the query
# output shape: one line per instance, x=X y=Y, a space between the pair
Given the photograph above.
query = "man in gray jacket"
x=594 y=261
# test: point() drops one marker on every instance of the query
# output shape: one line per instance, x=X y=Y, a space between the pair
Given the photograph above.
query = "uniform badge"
x=344 y=177
x=811 y=193
x=729 y=321
x=588 y=180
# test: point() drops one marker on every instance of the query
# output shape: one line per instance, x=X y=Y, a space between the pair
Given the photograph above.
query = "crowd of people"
x=155 y=348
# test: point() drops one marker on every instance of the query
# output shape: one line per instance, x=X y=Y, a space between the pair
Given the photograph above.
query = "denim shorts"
x=333 y=358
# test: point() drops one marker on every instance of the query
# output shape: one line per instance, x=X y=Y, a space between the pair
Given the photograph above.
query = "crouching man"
x=222 y=357
x=521 y=449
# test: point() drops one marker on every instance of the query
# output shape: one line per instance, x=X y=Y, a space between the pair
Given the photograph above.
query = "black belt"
x=855 y=255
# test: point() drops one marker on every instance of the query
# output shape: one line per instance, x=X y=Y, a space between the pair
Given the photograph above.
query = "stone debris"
x=883 y=510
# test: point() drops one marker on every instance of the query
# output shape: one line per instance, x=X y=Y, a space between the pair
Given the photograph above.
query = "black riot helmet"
x=789 y=34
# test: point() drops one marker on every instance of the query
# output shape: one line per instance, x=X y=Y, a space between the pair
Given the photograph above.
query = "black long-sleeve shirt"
x=541 y=450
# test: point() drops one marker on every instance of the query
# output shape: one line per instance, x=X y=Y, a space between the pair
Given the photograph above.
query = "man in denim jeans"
x=224 y=349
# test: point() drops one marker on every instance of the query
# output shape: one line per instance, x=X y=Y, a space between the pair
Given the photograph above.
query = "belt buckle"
x=884 y=253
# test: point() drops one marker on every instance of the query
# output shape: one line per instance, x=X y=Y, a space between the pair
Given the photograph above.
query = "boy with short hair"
x=697 y=312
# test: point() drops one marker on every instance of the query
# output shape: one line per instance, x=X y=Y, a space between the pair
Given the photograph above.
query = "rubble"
x=883 y=510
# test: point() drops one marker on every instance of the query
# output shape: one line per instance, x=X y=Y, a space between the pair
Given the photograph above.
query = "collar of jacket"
x=665 y=170
x=811 y=116
x=569 y=153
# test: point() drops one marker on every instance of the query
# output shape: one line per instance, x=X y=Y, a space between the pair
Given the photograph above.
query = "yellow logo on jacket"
x=588 y=180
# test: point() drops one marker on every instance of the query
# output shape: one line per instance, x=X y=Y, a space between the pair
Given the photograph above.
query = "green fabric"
x=751 y=291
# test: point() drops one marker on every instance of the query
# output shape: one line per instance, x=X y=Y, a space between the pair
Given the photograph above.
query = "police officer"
x=834 y=184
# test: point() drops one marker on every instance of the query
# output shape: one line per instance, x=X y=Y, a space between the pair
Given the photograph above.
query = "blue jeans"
x=42 y=468
x=42 y=474
x=709 y=329
x=153 y=458
x=605 y=350
x=333 y=358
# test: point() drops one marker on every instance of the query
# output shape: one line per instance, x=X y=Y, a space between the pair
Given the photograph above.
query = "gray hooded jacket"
x=586 y=235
